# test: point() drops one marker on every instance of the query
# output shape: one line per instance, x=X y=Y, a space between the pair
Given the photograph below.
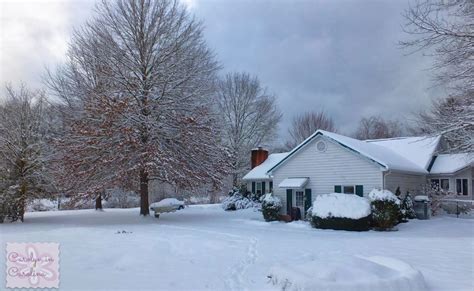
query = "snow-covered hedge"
x=385 y=209
x=42 y=205
x=271 y=206
x=236 y=201
x=340 y=211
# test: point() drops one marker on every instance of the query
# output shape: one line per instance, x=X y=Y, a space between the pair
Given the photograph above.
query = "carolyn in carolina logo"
x=32 y=265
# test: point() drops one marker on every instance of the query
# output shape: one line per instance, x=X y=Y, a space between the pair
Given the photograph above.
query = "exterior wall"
x=465 y=174
x=337 y=165
x=406 y=182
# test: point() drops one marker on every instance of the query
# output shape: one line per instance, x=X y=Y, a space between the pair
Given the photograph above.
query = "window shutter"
x=360 y=190
x=338 y=189
x=253 y=187
x=289 y=201
x=308 y=200
x=263 y=187
x=271 y=186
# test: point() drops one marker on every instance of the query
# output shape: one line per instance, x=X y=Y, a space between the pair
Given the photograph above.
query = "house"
x=328 y=162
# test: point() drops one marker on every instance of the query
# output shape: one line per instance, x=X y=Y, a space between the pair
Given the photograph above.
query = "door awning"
x=297 y=183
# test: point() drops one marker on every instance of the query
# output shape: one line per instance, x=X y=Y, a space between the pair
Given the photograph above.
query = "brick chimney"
x=259 y=155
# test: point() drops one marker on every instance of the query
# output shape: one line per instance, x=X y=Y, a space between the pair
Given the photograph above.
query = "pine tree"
x=407 y=207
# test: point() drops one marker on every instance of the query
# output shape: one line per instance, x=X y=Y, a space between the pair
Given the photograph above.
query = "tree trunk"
x=98 y=202
x=144 y=193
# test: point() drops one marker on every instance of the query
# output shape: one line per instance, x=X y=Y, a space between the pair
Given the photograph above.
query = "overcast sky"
x=341 y=56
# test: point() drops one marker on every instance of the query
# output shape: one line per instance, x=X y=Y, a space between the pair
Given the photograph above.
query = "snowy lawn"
x=204 y=247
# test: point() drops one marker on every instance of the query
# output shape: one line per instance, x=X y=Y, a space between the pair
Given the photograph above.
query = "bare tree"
x=249 y=117
x=375 y=127
x=136 y=94
x=24 y=155
x=444 y=29
x=443 y=115
x=306 y=124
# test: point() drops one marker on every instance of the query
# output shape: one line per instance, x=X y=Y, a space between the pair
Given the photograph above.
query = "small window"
x=445 y=184
x=348 y=190
x=435 y=183
x=461 y=187
x=299 y=198
x=258 y=188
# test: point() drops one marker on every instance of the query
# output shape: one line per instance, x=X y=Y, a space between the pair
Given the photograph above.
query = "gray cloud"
x=341 y=56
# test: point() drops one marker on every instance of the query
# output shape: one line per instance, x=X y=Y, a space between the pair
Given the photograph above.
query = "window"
x=445 y=184
x=299 y=199
x=258 y=188
x=435 y=183
x=270 y=186
x=461 y=187
x=348 y=189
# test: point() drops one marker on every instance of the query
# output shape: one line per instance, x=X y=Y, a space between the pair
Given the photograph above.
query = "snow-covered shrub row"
x=271 y=206
x=340 y=211
x=457 y=208
x=118 y=198
x=385 y=209
x=236 y=201
x=42 y=205
x=347 y=273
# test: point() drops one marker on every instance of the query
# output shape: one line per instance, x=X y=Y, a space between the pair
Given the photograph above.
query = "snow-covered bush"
x=271 y=206
x=436 y=196
x=118 y=198
x=236 y=201
x=406 y=208
x=340 y=211
x=42 y=205
x=385 y=209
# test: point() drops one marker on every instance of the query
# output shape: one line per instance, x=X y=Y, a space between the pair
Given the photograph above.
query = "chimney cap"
x=259 y=148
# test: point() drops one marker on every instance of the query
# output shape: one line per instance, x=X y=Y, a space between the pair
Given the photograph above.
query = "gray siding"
x=337 y=165
x=406 y=182
x=465 y=174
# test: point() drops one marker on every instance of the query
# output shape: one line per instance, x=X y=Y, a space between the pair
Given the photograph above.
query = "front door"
x=299 y=201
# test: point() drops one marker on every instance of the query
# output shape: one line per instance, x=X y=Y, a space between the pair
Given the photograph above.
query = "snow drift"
x=347 y=273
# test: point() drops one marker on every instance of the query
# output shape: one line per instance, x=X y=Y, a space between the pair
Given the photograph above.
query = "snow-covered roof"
x=384 y=153
x=451 y=163
x=418 y=150
x=293 y=183
x=260 y=171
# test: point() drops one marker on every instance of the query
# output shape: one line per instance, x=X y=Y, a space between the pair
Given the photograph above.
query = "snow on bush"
x=167 y=202
x=42 y=205
x=382 y=194
x=236 y=201
x=271 y=206
x=385 y=209
x=406 y=208
x=344 y=273
x=341 y=212
x=340 y=205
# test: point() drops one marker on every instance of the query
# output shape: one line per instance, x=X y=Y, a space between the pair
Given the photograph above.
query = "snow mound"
x=340 y=205
x=344 y=273
x=42 y=205
x=378 y=194
x=237 y=201
x=167 y=202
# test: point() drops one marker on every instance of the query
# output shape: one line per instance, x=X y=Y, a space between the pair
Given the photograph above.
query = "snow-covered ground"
x=204 y=247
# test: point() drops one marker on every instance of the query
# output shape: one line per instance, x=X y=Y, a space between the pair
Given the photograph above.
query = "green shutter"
x=338 y=189
x=307 y=200
x=253 y=187
x=263 y=187
x=360 y=190
x=289 y=201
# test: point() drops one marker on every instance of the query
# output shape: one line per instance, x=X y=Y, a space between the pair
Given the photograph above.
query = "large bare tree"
x=24 y=153
x=136 y=94
x=444 y=29
x=304 y=125
x=375 y=127
x=250 y=118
